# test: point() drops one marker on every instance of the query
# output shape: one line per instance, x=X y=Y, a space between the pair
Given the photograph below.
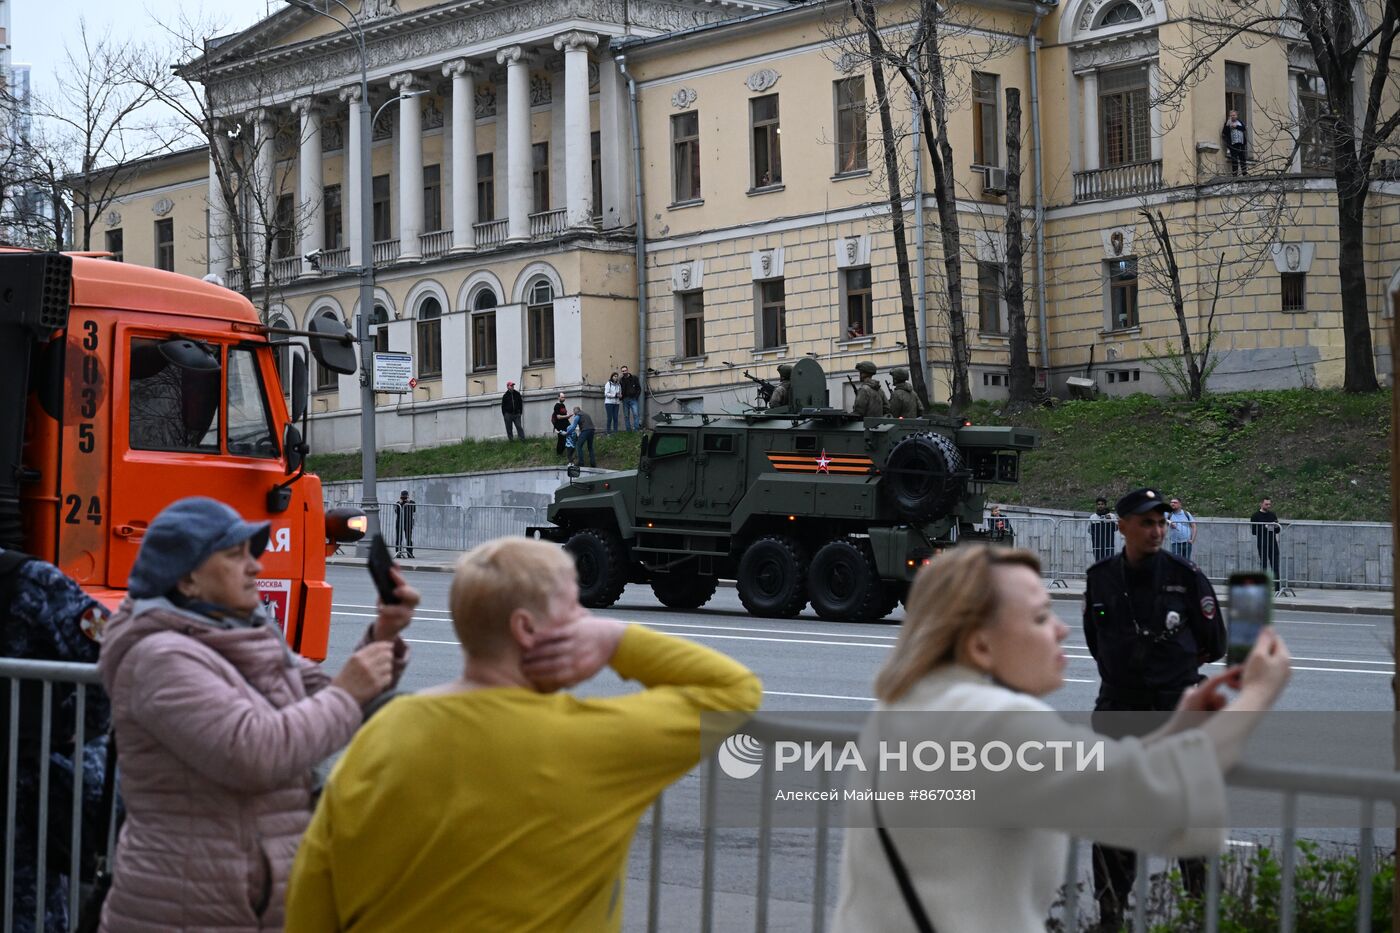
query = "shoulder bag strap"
x=109 y=793
x=901 y=874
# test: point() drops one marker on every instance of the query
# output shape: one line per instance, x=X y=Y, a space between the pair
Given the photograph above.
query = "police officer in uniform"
x=1150 y=620
x=903 y=402
x=870 y=398
x=782 y=395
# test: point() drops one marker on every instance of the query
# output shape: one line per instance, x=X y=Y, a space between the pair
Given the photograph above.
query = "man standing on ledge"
x=631 y=400
x=1150 y=621
x=512 y=407
x=870 y=400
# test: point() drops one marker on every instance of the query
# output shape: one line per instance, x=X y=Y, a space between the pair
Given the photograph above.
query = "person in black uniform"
x=1150 y=620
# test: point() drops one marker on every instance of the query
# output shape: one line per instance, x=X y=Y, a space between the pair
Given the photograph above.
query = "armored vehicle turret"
x=801 y=503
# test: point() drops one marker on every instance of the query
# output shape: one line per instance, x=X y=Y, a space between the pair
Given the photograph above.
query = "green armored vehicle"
x=798 y=503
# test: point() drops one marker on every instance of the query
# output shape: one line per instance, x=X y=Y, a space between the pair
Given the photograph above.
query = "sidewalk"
x=1363 y=602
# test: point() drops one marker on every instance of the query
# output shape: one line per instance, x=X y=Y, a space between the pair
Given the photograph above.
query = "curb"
x=423 y=566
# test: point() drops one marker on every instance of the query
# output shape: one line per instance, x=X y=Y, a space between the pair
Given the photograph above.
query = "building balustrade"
x=335 y=260
x=236 y=279
x=286 y=269
x=435 y=244
x=546 y=224
x=490 y=232
x=1118 y=181
x=386 y=252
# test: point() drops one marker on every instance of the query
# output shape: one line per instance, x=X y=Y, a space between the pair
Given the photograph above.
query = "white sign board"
x=393 y=372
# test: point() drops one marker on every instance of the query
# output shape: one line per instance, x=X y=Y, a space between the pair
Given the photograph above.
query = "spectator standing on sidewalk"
x=1102 y=527
x=497 y=801
x=981 y=647
x=1182 y=534
x=559 y=418
x=1150 y=620
x=1266 y=528
x=631 y=400
x=512 y=407
x=583 y=435
x=405 y=514
x=612 y=401
x=999 y=526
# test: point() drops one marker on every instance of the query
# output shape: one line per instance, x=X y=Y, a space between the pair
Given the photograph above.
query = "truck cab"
x=144 y=387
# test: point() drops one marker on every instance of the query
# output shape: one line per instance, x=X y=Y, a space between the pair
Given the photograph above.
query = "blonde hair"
x=494 y=579
x=948 y=600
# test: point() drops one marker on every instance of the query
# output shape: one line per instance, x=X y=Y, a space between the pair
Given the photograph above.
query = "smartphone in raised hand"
x=379 y=564
x=1251 y=609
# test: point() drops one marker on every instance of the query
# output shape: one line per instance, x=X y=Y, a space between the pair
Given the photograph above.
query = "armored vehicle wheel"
x=602 y=566
x=921 y=477
x=893 y=594
x=683 y=589
x=843 y=583
x=773 y=578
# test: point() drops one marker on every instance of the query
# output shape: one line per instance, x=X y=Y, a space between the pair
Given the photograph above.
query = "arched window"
x=484 y=331
x=429 y=338
x=282 y=353
x=1120 y=13
x=326 y=380
x=378 y=325
x=539 y=312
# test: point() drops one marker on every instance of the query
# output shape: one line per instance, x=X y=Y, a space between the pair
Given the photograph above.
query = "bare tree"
x=1350 y=51
x=1186 y=371
x=1022 y=388
x=99 y=116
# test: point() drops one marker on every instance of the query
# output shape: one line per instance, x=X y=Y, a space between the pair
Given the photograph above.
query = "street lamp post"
x=368 y=451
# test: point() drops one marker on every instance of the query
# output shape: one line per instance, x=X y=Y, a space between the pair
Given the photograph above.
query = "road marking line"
x=817 y=696
x=779 y=631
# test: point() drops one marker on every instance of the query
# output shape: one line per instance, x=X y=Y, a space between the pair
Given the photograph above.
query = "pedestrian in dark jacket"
x=631 y=400
x=405 y=515
x=1236 y=139
x=1266 y=528
x=512 y=407
x=559 y=418
x=583 y=426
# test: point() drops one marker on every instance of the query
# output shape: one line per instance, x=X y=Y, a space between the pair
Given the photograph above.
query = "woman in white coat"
x=980 y=641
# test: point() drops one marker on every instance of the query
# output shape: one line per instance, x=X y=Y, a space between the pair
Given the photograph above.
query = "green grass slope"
x=1320 y=454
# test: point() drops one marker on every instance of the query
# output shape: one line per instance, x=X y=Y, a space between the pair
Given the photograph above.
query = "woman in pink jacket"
x=219 y=726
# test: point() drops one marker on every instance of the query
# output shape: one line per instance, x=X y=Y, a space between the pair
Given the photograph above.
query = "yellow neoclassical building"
x=517 y=145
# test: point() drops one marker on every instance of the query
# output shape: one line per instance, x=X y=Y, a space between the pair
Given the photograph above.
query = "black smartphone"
x=379 y=564
x=1251 y=608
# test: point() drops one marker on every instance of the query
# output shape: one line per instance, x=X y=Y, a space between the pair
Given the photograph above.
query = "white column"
x=463 y=78
x=518 y=179
x=351 y=187
x=311 y=216
x=1154 y=77
x=615 y=145
x=265 y=200
x=578 y=151
x=1091 y=120
x=219 y=260
x=410 y=167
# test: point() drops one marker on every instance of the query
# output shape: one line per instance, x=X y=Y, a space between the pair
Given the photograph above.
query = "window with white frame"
x=1121 y=282
x=485 y=188
x=990 y=319
x=1125 y=116
x=767 y=139
x=855 y=287
x=1295 y=291
x=772 y=314
x=1313 y=111
x=690 y=319
x=429 y=338
x=685 y=156
x=985 y=88
x=484 y=331
x=331 y=214
x=540 y=176
x=539 y=320
x=852 y=129
x=379 y=328
x=432 y=198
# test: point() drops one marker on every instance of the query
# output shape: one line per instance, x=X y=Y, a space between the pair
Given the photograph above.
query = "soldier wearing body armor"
x=1150 y=620
x=870 y=398
x=782 y=395
x=903 y=402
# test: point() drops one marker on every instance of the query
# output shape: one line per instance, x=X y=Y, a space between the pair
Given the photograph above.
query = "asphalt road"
x=1341 y=663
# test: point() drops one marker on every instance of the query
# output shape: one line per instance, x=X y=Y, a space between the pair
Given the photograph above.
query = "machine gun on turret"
x=765 y=388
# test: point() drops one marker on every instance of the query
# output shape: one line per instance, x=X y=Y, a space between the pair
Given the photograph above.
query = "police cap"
x=785 y=370
x=1141 y=500
x=900 y=375
x=866 y=367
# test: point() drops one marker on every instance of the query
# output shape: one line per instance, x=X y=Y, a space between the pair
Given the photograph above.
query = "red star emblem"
x=823 y=462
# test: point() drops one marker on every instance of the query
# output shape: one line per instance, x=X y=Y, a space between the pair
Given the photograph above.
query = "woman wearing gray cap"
x=220 y=725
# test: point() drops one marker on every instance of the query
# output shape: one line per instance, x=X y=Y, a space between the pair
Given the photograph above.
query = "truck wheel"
x=773 y=578
x=921 y=477
x=844 y=584
x=602 y=566
x=893 y=594
x=684 y=590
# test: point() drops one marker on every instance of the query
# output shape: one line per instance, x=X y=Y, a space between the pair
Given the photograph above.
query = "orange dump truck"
x=143 y=387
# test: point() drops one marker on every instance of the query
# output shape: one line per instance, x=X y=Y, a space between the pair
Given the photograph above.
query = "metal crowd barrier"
x=454 y=528
x=50 y=677
x=1366 y=787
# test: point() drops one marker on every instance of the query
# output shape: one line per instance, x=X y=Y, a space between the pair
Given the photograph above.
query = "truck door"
x=666 y=477
x=719 y=468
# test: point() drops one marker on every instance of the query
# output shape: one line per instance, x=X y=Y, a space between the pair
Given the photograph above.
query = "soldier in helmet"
x=903 y=402
x=782 y=395
x=870 y=398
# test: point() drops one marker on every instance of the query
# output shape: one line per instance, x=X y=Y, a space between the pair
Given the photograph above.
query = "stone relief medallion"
x=848 y=62
x=113 y=218
x=432 y=115
x=684 y=97
x=765 y=263
x=162 y=207
x=852 y=247
x=1292 y=256
x=541 y=90
x=685 y=276
x=485 y=101
x=1115 y=240
x=762 y=79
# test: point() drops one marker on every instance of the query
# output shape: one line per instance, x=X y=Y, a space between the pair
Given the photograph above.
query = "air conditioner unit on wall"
x=993 y=180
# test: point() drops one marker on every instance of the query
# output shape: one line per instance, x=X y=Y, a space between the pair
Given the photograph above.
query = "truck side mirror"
x=299 y=387
x=332 y=345
x=294 y=448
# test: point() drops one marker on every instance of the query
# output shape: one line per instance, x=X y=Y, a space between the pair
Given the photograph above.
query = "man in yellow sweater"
x=494 y=802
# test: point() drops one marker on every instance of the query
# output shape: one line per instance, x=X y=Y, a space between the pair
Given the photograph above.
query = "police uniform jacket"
x=1150 y=629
